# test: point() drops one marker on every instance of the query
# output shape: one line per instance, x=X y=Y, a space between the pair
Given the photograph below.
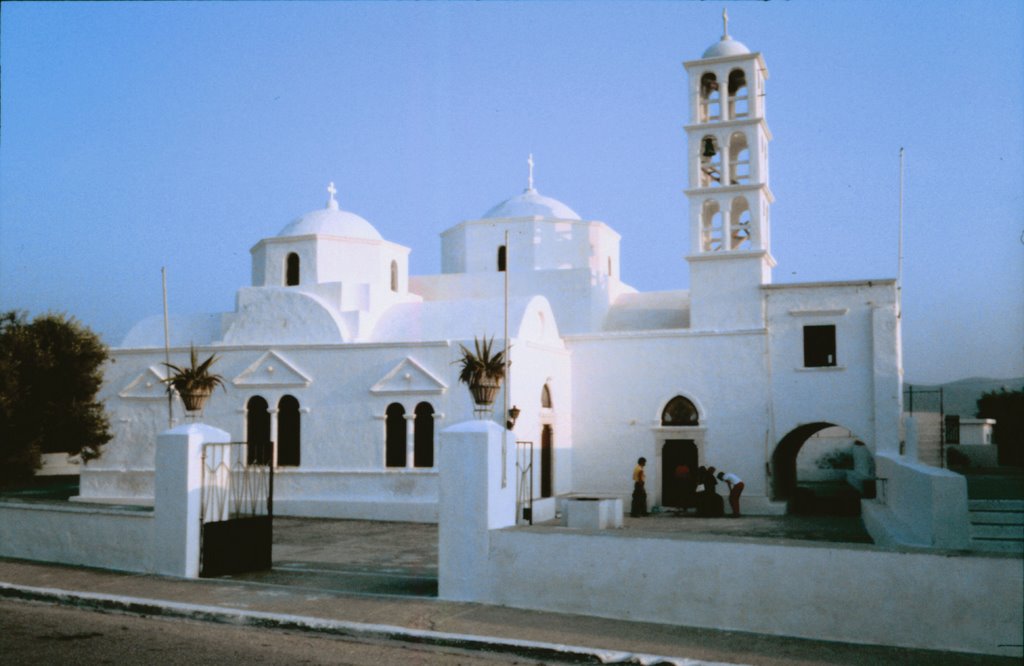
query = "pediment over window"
x=272 y=370
x=149 y=385
x=409 y=377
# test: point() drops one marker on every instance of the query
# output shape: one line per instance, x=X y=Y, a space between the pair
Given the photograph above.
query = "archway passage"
x=834 y=497
x=677 y=483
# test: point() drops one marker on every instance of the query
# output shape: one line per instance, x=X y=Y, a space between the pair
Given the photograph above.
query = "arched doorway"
x=257 y=431
x=815 y=495
x=675 y=454
x=679 y=414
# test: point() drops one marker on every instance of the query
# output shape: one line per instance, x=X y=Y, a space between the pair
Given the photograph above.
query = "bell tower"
x=730 y=251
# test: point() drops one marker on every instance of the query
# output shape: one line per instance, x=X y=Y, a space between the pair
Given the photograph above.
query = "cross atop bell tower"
x=728 y=188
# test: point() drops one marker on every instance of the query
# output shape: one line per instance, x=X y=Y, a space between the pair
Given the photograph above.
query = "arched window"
x=291 y=273
x=710 y=162
x=711 y=226
x=739 y=102
x=394 y=436
x=394 y=275
x=257 y=430
x=501 y=257
x=740 y=228
x=710 y=99
x=679 y=412
x=609 y=266
x=423 y=436
x=288 y=432
x=739 y=159
x=545 y=397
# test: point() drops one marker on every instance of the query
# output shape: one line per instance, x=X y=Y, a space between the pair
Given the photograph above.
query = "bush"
x=1007 y=408
x=50 y=373
x=838 y=459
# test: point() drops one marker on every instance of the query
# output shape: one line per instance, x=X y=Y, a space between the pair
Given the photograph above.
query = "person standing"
x=735 y=484
x=639 y=507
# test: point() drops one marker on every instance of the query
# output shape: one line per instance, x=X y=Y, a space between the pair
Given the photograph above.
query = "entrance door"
x=546 y=436
x=676 y=489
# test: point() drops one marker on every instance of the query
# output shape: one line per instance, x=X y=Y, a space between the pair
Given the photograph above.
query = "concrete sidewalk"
x=546 y=636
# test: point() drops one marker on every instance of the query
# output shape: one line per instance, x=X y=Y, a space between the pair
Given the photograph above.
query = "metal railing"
x=236 y=483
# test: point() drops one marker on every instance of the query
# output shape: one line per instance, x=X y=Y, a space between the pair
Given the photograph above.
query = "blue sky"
x=141 y=135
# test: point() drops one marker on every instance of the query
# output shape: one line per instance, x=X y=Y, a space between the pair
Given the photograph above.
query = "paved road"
x=36 y=633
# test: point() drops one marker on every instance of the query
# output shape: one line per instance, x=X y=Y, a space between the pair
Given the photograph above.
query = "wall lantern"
x=513 y=414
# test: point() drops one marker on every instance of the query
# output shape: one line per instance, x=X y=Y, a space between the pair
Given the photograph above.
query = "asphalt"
x=373 y=581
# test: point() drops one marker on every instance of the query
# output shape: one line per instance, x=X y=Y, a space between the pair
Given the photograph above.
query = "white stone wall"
x=621 y=384
x=862 y=391
x=87 y=536
x=809 y=590
x=839 y=592
x=917 y=505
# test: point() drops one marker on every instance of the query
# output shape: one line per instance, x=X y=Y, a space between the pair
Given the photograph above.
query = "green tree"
x=50 y=373
x=1007 y=408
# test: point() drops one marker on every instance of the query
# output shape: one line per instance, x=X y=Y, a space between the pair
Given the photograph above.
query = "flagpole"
x=899 y=264
x=167 y=349
x=504 y=418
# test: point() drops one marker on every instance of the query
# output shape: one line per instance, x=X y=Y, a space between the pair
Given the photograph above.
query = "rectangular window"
x=819 y=346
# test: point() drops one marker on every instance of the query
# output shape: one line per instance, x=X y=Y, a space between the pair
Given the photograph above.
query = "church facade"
x=347 y=363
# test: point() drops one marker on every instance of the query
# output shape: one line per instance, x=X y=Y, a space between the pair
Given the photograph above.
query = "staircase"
x=997 y=525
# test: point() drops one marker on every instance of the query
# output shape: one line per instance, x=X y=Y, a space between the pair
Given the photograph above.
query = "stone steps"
x=997 y=525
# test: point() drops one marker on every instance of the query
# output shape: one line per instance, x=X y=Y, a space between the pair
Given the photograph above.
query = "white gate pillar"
x=471 y=502
x=177 y=497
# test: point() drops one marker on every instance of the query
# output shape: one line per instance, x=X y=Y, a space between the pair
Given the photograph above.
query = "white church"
x=345 y=361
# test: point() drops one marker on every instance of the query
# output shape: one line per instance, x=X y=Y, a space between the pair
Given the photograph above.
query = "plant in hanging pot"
x=482 y=370
x=195 y=382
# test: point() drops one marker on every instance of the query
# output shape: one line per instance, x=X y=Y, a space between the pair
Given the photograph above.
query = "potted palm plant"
x=195 y=382
x=482 y=370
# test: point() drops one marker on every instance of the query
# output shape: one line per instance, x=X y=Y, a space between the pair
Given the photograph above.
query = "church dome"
x=726 y=46
x=532 y=204
x=332 y=221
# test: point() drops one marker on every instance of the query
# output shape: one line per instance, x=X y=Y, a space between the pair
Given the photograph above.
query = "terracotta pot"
x=195 y=399
x=485 y=391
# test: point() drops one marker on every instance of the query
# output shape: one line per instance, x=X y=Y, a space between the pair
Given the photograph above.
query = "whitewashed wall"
x=622 y=382
x=820 y=591
x=110 y=538
x=863 y=391
x=839 y=592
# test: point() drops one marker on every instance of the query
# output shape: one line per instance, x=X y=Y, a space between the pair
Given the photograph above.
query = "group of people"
x=694 y=489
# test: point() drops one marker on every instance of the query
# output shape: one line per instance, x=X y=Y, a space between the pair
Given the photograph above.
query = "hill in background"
x=959 y=397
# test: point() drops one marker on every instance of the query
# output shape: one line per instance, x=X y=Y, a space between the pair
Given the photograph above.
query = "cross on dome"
x=332 y=202
x=725 y=23
x=529 y=182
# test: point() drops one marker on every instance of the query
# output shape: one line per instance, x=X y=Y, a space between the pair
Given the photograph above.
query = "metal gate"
x=236 y=510
x=524 y=481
